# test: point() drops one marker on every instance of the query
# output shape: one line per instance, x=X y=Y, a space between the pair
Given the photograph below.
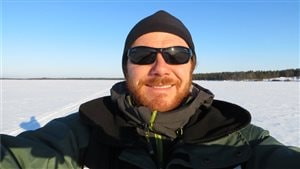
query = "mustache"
x=156 y=81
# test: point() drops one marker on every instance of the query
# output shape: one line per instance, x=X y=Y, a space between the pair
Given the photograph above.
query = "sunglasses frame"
x=165 y=52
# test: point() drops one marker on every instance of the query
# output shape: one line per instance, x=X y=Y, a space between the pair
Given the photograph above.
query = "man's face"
x=159 y=86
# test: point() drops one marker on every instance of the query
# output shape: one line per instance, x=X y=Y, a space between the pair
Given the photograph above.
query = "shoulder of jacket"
x=69 y=127
x=267 y=152
x=254 y=134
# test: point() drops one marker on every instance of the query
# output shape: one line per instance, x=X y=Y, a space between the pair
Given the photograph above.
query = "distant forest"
x=249 y=75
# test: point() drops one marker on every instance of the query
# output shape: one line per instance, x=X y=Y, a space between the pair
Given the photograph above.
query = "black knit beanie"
x=160 y=21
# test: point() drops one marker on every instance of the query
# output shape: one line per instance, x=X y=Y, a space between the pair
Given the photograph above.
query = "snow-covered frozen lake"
x=29 y=104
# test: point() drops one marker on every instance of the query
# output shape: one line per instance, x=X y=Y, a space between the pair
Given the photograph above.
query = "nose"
x=160 y=67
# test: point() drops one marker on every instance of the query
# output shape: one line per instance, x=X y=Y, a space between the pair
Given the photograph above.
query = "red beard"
x=157 y=102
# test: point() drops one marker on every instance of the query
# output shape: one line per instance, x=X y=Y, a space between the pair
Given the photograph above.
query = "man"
x=157 y=118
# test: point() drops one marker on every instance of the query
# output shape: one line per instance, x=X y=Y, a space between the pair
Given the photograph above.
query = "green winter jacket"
x=101 y=136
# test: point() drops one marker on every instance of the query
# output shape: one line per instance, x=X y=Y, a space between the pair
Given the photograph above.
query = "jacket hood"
x=166 y=123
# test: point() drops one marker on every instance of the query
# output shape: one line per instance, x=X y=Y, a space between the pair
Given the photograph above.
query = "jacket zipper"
x=159 y=149
x=158 y=141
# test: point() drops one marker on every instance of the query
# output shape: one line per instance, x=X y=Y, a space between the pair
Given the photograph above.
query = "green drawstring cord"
x=152 y=119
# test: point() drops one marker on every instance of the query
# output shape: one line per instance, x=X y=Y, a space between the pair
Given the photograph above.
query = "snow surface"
x=29 y=104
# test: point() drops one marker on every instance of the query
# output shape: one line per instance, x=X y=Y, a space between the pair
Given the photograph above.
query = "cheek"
x=184 y=72
x=135 y=73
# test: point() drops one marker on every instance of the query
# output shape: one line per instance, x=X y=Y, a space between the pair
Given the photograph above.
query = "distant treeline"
x=249 y=75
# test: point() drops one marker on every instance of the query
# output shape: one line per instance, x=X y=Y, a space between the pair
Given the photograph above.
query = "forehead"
x=159 y=40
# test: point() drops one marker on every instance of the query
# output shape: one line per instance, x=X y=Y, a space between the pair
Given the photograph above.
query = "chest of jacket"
x=227 y=152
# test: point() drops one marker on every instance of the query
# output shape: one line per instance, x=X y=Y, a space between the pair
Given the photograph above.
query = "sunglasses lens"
x=142 y=55
x=177 y=55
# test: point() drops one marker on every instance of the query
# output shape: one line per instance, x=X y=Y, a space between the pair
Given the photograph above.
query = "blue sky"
x=73 y=38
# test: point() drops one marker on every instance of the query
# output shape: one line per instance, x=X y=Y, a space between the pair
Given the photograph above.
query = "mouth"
x=160 y=86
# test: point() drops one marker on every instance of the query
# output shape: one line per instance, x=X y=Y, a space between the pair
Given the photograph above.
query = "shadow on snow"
x=32 y=124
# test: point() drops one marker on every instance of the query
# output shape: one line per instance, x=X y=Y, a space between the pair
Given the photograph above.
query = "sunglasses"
x=175 y=55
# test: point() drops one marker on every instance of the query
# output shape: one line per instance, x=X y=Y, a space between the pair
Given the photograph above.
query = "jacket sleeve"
x=267 y=152
x=56 y=145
